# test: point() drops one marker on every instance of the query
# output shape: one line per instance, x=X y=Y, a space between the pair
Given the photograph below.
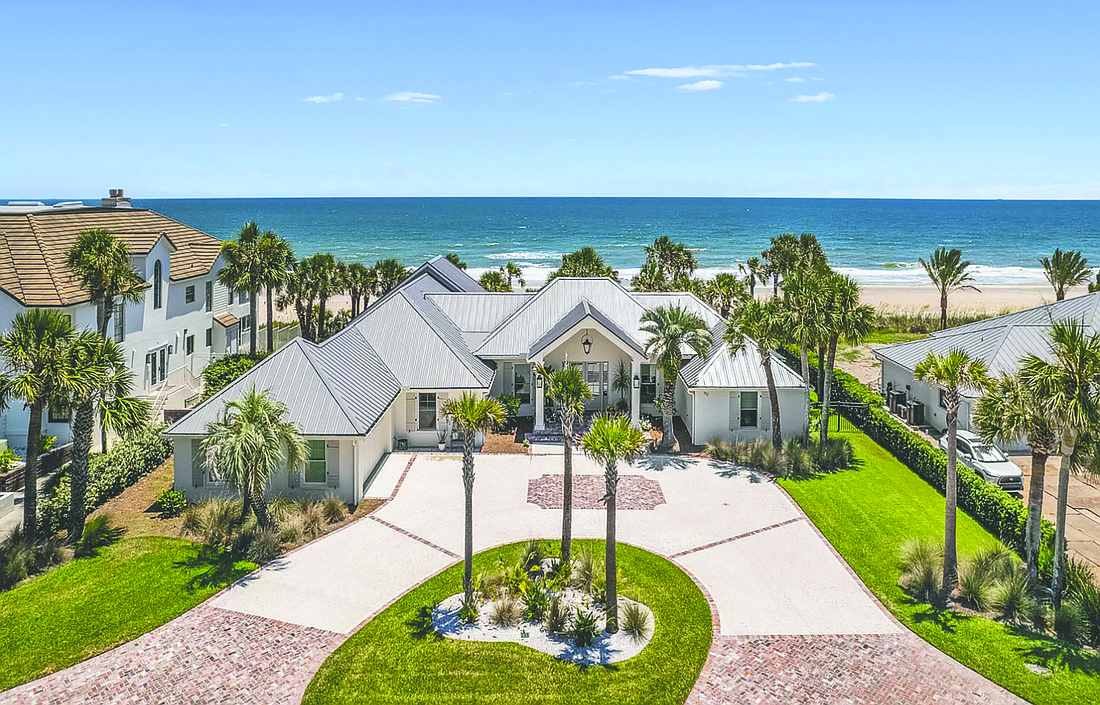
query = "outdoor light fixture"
x=637 y=382
x=538 y=381
x=586 y=343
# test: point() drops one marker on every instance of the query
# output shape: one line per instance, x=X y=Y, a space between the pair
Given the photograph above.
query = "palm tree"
x=250 y=442
x=360 y=282
x=1068 y=387
x=650 y=278
x=753 y=269
x=243 y=271
x=494 y=280
x=101 y=262
x=389 y=273
x=612 y=439
x=471 y=415
x=766 y=323
x=567 y=389
x=669 y=328
x=583 y=263
x=326 y=278
x=513 y=272
x=952 y=373
x=35 y=355
x=805 y=298
x=300 y=291
x=725 y=291
x=949 y=272
x=454 y=259
x=275 y=261
x=107 y=387
x=1065 y=269
x=1006 y=412
x=849 y=320
x=672 y=259
x=790 y=252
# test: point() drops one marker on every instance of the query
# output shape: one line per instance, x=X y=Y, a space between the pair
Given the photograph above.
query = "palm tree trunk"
x=468 y=485
x=827 y=390
x=1069 y=441
x=773 y=398
x=950 y=556
x=1059 y=293
x=270 y=320
x=83 y=427
x=321 y=302
x=259 y=506
x=253 y=315
x=567 y=490
x=943 y=311
x=1035 y=511
x=820 y=386
x=668 y=406
x=806 y=389
x=611 y=573
x=103 y=317
x=30 y=472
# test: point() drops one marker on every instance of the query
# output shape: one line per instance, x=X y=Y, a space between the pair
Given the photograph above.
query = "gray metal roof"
x=578 y=313
x=359 y=378
x=478 y=312
x=458 y=278
x=1082 y=308
x=721 y=369
x=682 y=298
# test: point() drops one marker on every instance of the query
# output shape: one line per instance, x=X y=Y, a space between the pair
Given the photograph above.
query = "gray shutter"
x=412 y=415
x=764 y=411
x=735 y=410
x=197 y=462
x=332 y=463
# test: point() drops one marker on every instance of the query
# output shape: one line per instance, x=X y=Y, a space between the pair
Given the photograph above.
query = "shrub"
x=212 y=520
x=997 y=560
x=489 y=585
x=292 y=531
x=1089 y=601
x=916 y=552
x=536 y=602
x=313 y=519
x=534 y=551
x=1069 y=622
x=1000 y=513
x=517 y=581
x=799 y=462
x=264 y=546
x=470 y=610
x=924 y=582
x=587 y=569
x=833 y=456
x=1012 y=598
x=975 y=585
x=766 y=458
x=7 y=459
x=557 y=616
x=506 y=611
x=1078 y=577
x=282 y=508
x=171 y=503
x=22 y=557
x=1039 y=614
x=585 y=629
x=220 y=373
x=636 y=620
x=108 y=475
x=334 y=509
x=98 y=532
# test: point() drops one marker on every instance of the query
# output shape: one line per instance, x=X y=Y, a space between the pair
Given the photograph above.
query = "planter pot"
x=442 y=446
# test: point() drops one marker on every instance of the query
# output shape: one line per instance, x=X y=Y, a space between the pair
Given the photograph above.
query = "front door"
x=521 y=382
x=595 y=375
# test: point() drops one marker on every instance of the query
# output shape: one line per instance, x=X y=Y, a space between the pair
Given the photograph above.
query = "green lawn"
x=90 y=605
x=869 y=512
x=386 y=661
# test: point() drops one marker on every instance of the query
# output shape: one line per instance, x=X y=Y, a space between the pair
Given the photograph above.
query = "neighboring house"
x=184 y=319
x=379 y=383
x=998 y=342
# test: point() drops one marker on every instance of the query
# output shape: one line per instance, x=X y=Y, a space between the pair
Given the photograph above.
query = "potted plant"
x=441 y=437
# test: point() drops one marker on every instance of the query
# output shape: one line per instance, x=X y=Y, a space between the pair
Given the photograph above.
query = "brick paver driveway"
x=792 y=623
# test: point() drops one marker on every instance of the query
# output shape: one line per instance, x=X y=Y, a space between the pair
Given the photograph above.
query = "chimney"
x=115 y=199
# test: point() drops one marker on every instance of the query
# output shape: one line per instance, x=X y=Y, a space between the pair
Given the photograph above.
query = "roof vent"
x=116 y=199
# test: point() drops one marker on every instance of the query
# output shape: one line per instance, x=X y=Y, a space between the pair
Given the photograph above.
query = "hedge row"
x=108 y=475
x=220 y=374
x=999 y=512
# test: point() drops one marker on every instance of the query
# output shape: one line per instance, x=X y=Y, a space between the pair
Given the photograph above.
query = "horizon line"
x=601 y=196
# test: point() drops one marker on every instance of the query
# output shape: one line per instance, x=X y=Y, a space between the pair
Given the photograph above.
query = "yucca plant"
x=1012 y=598
x=636 y=620
x=585 y=629
x=557 y=616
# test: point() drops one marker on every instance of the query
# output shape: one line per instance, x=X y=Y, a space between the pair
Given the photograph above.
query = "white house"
x=378 y=384
x=184 y=319
x=999 y=342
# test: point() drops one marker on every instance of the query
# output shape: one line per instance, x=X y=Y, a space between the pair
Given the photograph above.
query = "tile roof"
x=33 y=246
x=720 y=369
x=226 y=319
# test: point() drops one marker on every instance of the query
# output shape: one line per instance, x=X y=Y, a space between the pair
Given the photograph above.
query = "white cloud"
x=224 y=124
x=324 y=98
x=795 y=79
x=716 y=70
x=702 y=86
x=361 y=99
x=819 y=98
x=408 y=97
x=817 y=78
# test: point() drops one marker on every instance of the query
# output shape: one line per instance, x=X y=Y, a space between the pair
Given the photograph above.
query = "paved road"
x=792 y=623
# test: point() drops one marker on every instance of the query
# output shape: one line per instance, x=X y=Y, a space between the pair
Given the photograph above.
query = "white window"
x=749 y=404
x=242 y=297
x=120 y=322
x=246 y=323
x=209 y=296
x=426 y=411
x=189 y=294
x=316 y=472
x=209 y=337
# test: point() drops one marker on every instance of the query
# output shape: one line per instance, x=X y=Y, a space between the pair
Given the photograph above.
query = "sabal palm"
x=250 y=443
x=360 y=283
x=673 y=259
x=611 y=440
x=514 y=273
x=805 y=296
x=952 y=373
x=949 y=272
x=300 y=291
x=765 y=323
x=471 y=415
x=846 y=319
x=1068 y=387
x=789 y=252
x=243 y=271
x=1007 y=412
x=754 y=271
x=495 y=281
x=276 y=257
x=101 y=262
x=327 y=282
x=107 y=387
x=35 y=354
x=670 y=328
x=389 y=273
x=567 y=389
x=1065 y=269
x=724 y=292
x=585 y=262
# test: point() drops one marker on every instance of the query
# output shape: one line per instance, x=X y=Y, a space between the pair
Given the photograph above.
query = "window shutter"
x=332 y=464
x=198 y=460
x=412 y=412
x=735 y=410
x=764 y=414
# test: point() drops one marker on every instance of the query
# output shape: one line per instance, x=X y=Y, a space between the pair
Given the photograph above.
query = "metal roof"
x=458 y=278
x=1082 y=308
x=578 y=313
x=682 y=298
x=359 y=378
x=743 y=370
x=481 y=312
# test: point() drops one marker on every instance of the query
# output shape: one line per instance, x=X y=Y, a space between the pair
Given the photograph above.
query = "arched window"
x=157 y=284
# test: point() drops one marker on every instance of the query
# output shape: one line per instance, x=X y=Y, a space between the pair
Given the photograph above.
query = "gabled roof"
x=33 y=247
x=481 y=312
x=682 y=298
x=580 y=312
x=458 y=278
x=721 y=369
x=1085 y=309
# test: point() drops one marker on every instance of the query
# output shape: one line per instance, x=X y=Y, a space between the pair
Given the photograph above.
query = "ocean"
x=876 y=241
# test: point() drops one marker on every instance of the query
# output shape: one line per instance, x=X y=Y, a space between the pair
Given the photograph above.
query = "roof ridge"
x=329 y=387
x=437 y=334
x=1047 y=305
x=522 y=307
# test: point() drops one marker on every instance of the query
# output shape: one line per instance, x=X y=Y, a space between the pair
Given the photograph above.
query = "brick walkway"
x=882 y=669
x=635 y=492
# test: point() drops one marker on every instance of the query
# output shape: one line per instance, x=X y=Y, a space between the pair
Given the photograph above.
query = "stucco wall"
x=712 y=415
x=933 y=415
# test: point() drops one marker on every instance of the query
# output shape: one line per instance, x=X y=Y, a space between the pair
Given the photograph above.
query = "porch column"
x=540 y=402
x=635 y=392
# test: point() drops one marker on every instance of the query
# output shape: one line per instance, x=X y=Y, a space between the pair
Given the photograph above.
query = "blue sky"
x=189 y=99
